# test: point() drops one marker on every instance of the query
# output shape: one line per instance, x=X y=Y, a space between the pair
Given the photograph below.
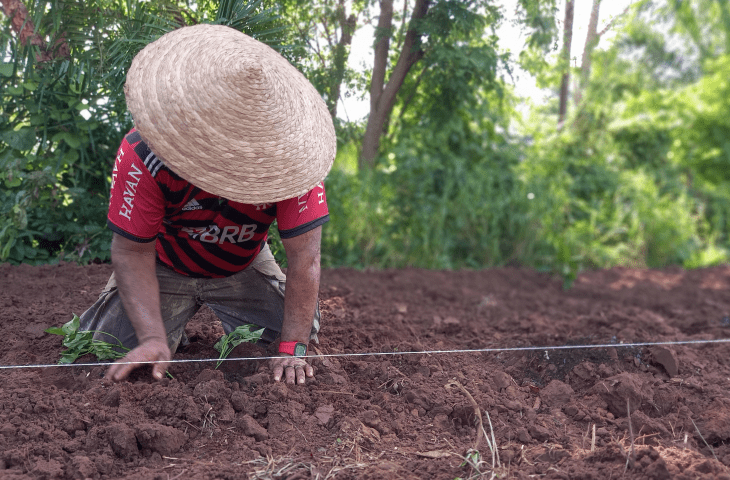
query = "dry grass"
x=209 y=424
x=271 y=468
x=473 y=457
x=712 y=450
x=631 y=457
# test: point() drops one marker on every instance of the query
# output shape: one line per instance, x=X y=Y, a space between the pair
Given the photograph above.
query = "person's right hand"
x=152 y=350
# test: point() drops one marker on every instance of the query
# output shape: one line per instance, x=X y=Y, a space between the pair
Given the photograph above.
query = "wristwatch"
x=297 y=349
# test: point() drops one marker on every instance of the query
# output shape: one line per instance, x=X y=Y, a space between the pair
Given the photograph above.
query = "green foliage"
x=361 y=223
x=446 y=189
x=669 y=42
x=695 y=122
x=639 y=175
x=317 y=43
x=539 y=22
x=62 y=118
x=446 y=195
x=80 y=343
x=55 y=185
x=242 y=334
x=458 y=200
x=453 y=189
x=632 y=182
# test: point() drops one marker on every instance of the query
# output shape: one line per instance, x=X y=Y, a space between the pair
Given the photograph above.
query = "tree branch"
x=402 y=25
x=347 y=28
x=327 y=33
x=382 y=97
x=567 y=43
x=413 y=93
x=408 y=57
x=613 y=21
x=382 y=45
x=591 y=41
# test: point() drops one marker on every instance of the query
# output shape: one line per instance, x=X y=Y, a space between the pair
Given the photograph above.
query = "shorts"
x=254 y=296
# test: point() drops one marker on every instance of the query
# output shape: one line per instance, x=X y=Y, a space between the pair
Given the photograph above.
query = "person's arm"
x=300 y=302
x=135 y=272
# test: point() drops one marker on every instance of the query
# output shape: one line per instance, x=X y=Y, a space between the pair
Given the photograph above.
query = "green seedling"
x=241 y=334
x=81 y=342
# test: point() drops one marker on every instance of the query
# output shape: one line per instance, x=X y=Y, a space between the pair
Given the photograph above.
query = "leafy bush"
x=617 y=188
x=359 y=233
x=444 y=194
x=63 y=115
x=445 y=197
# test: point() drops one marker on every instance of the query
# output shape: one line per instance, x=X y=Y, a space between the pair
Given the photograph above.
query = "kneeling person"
x=220 y=150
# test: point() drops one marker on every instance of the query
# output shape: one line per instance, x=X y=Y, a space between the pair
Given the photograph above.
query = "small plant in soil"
x=473 y=460
x=81 y=342
x=241 y=334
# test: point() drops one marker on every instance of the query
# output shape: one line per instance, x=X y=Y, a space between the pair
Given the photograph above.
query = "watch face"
x=300 y=350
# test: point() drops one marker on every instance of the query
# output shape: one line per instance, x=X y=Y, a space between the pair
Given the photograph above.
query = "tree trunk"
x=591 y=42
x=567 y=43
x=24 y=28
x=22 y=25
x=383 y=95
x=725 y=15
x=347 y=28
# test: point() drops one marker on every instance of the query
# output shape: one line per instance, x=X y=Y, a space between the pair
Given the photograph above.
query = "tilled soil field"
x=620 y=411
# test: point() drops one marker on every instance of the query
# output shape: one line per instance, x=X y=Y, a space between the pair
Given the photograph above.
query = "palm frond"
x=249 y=17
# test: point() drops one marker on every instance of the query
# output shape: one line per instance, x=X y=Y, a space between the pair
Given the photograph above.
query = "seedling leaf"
x=79 y=343
x=71 y=326
x=241 y=334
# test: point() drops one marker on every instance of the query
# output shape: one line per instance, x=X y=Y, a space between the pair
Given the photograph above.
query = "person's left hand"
x=291 y=369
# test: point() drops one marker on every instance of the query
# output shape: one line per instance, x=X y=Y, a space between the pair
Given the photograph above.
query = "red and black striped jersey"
x=198 y=234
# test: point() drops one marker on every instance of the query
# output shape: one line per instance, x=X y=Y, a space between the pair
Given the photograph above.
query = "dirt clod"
x=249 y=427
x=556 y=394
x=159 y=438
x=122 y=440
x=82 y=468
x=665 y=357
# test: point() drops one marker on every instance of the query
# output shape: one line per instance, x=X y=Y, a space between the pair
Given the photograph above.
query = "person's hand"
x=291 y=369
x=153 y=350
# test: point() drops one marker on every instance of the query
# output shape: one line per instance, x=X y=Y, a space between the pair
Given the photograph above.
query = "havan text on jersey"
x=130 y=188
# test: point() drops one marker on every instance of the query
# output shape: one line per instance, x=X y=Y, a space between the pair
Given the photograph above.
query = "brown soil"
x=392 y=416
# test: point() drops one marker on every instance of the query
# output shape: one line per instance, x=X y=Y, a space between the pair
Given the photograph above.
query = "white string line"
x=368 y=354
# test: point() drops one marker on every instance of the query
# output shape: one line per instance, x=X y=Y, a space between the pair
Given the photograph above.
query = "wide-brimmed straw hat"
x=230 y=115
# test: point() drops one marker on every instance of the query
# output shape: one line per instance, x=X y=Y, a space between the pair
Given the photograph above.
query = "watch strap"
x=290 y=348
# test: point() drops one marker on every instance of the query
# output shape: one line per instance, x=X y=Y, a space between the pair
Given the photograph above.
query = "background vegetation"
x=628 y=164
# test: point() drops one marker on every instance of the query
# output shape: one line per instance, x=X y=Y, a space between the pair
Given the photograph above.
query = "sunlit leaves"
x=539 y=20
x=21 y=139
x=6 y=69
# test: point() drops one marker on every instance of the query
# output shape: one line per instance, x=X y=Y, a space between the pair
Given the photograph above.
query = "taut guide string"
x=429 y=352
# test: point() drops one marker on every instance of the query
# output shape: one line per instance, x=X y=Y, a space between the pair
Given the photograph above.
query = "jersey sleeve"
x=136 y=204
x=299 y=215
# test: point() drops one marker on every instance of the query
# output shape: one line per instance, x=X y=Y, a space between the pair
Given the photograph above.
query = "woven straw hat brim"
x=230 y=115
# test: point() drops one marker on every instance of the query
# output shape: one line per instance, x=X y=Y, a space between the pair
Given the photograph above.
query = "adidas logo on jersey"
x=192 y=205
